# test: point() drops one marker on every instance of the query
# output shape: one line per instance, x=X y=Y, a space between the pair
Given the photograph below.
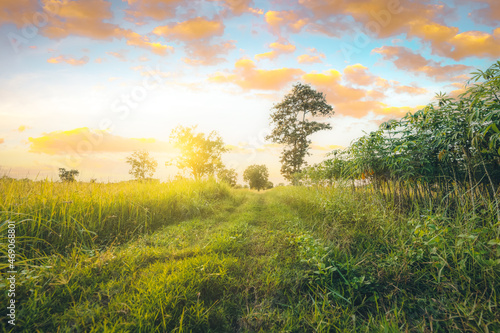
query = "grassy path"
x=286 y=260
x=234 y=271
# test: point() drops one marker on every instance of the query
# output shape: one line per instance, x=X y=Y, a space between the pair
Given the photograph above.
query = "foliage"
x=141 y=165
x=292 y=125
x=256 y=176
x=228 y=175
x=200 y=153
x=449 y=145
x=68 y=175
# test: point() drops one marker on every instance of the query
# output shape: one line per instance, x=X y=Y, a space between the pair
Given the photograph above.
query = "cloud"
x=405 y=59
x=239 y=7
x=13 y=11
x=2 y=140
x=247 y=76
x=120 y=55
x=488 y=15
x=85 y=141
x=315 y=146
x=288 y=20
x=359 y=75
x=198 y=28
x=134 y=39
x=448 y=42
x=421 y=19
x=199 y=53
x=346 y=100
x=80 y=18
x=22 y=128
x=411 y=90
x=277 y=49
x=156 y=9
x=68 y=60
x=308 y=59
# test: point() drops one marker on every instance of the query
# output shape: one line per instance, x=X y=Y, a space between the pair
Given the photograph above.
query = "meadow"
x=199 y=256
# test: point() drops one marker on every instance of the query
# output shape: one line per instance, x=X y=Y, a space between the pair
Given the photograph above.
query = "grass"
x=292 y=259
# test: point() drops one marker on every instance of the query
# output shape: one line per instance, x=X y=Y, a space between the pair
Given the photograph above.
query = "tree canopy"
x=257 y=177
x=200 y=153
x=292 y=121
x=68 y=175
x=228 y=176
x=141 y=165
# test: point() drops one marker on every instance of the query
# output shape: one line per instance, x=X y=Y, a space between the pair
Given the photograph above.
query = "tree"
x=141 y=164
x=256 y=176
x=68 y=175
x=292 y=125
x=200 y=153
x=228 y=175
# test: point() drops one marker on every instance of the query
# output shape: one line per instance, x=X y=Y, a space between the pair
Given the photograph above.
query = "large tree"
x=200 y=153
x=292 y=122
x=257 y=177
x=141 y=164
x=68 y=175
x=228 y=176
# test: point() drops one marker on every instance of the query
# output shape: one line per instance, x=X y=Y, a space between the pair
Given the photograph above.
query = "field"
x=192 y=256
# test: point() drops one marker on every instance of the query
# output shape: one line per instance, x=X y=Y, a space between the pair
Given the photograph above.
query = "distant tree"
x=68 y=175
x=141 y=165
x=292 y=125
x=269 y=185
x=200 y=153
x=228 y=175
x=256 y=176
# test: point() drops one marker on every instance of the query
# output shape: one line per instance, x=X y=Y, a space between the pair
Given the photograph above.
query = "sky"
x=84 y=83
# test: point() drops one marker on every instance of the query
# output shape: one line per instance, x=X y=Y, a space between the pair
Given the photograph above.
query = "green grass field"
x=201 y=257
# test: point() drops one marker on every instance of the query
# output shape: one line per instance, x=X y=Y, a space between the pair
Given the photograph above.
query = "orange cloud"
x=156 y=9
x=315 y=146
x=13 y=11
x=198 y=28
x=68 y=60
x=247 y=76
x=354 y=102
x=310 y=59
x=358 y=74
x=81 y=18
x=2 y=140
x=238 y=7
x=391 y=17
x=411 y=90
x=382 y=19
x=448 y=42
x=405 y=59
x=85 y=141
x=278 y=49
x=289 y=20
x=135 y=39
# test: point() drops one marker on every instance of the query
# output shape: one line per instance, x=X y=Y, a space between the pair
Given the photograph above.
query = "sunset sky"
x=85 y=83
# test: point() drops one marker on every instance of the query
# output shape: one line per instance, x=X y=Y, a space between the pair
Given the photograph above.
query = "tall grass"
x=427 y=268
x=53 y=217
